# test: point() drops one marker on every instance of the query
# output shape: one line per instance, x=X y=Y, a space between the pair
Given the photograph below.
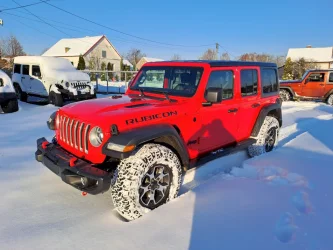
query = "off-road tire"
x=285 y=95
x=270 y=123
x=129 y=177
x=56 y=99
x=10 y=107
x=330 y=100
x=21 y=95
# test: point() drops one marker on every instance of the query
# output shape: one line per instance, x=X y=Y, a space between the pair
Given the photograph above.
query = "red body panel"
x=209 y=127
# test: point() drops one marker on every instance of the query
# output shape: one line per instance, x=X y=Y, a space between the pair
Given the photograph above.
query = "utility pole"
x=1 y=22
x=217 y=50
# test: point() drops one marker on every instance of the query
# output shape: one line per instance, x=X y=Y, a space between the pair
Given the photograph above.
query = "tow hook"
x=84 y=194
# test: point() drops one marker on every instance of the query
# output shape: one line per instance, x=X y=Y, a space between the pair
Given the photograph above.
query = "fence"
x=110 y=81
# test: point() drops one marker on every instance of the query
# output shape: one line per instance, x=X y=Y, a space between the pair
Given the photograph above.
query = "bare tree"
x=209 y=54
x=134 y=56
x=12 y=47
x=225 y=56
x=254 y=57
x=176 y=57
x=94 y=61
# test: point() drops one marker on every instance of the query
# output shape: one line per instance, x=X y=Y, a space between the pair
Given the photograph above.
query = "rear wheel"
x=56 y=99
x=10 y=107
x=21 y=95
x=146 y=181
x=330 y=100
x=285 y=95
x=267 y=137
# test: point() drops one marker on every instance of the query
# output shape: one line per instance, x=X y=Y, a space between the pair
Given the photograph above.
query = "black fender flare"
x=290 y=90
x=328 y=94
x=273 y=110
x=164 y=134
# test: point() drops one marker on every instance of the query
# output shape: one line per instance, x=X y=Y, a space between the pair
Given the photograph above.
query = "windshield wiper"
x=162 y=92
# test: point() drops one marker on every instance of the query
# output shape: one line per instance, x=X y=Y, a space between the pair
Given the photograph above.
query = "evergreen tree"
x=288 y=70
x=110 y=68
x=82 y=64
x=103 y=68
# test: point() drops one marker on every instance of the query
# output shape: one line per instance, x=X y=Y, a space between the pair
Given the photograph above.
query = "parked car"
x=8 y=100
x=50 y=77
x=315 y=84
x=174 y=116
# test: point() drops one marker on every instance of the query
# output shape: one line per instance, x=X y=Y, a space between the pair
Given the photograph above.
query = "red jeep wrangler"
x=174 y=115
x=315 y=84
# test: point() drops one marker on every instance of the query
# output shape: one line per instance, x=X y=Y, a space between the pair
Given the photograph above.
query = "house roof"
x=77 y=46
x=314 y=54
x=150 y=59
x=126 y=62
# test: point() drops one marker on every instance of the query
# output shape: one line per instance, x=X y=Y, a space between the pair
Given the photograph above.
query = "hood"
x=123 y=110
x=67 y=75
x=8 y=86
x=290 y=81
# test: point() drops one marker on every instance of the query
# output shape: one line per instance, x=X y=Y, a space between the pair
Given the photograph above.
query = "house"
x=127 y=63
x=144 y=60
x=95 y=50
x=321 y=57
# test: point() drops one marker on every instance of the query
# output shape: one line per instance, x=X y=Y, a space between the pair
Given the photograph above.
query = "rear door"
x=314 y=85
x=25 y=77
x=249 y=100
x=36 y=82
x=329 y=83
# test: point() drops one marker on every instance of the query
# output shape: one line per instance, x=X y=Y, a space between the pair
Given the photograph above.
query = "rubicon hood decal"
x=151 y=117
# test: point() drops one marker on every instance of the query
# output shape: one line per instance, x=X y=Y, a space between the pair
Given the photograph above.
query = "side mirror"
x=213 y=95
x=307 y=80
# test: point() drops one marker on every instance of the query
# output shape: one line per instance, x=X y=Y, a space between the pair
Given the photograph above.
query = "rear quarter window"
x=269 y=81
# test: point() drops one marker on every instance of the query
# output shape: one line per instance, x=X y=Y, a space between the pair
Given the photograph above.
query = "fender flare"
x=273 y=110
x=328 y=94
x=23 y=89
x=54 y=88
x=163 y=134
x=290 y=90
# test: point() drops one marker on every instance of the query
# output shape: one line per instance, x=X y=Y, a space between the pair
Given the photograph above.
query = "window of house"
x=316 y=77
x=104 y=53
x=330 y=79
x=25 y=70
x=36 y=70
x=223 y=80
x=269 y=81
x=249 y=82
x=17 y=68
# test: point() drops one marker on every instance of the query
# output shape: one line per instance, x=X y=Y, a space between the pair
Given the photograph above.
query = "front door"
x=36 y=80
x=25 y=78
x=219 y=121
x=314 y=85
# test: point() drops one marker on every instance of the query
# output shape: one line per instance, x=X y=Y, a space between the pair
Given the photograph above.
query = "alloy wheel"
x=270 y=139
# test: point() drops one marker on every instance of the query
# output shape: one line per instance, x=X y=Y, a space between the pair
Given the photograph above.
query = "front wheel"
x=285 y=95
x=56 y=99
x=267 y=137
x=146 y=180
x=21 y=95
x=330 y=100
x=10 y=107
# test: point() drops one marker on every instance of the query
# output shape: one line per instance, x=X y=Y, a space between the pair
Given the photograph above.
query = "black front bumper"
x=6 y=97
x=71 y=169
x=80 y=95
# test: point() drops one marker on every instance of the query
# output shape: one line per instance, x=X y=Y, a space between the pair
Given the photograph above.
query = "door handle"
x=31 y=78
x=22 y=77
x=255 y=105
x=232 y=110
x=321 y=84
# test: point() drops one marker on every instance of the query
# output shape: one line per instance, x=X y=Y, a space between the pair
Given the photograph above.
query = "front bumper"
x=71 y=170
x=79 y=96
x=7 y=96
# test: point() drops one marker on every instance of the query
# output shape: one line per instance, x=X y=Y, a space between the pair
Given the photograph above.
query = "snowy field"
x=281 y=200
x=111 y=87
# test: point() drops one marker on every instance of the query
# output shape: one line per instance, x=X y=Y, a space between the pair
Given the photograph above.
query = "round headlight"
x=96 y=136
x=67 y=84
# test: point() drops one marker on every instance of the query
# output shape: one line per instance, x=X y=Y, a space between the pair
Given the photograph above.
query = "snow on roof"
x=126 y=62
x=315 y=54
x=150 y=59
x=75 y=46
x=41 y=60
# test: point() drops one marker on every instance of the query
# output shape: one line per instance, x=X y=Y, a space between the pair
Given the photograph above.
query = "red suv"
x=174 y=115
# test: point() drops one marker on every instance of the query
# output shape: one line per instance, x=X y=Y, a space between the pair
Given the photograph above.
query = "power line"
x=23 y=6
x=121 y=32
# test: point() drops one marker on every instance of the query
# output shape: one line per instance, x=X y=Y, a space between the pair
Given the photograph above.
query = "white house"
x=322 y=57
x=96 y=49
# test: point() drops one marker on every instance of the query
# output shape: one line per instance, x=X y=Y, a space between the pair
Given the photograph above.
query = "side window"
x=331 y=77
x=17 y=68
x=249 y=82
x=25 y=70
x=269 y=81
x=223 y=80
x=36 y=70
x=316 y=77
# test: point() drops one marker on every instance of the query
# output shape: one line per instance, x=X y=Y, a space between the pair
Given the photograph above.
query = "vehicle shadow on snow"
x=226 y=215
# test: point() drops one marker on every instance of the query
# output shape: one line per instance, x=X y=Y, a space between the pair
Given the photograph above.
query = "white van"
x=52 y=77
x=8 y=99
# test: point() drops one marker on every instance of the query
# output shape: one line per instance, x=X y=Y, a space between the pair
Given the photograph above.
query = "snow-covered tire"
x=267 y=138
x=138 y=175
x=21 y=95
x=285 y=95
x=56 y=99
x=10 y=107
x=330 y=100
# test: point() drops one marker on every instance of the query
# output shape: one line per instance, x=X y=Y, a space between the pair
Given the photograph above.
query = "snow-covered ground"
x=111 y=87
x=281 y=200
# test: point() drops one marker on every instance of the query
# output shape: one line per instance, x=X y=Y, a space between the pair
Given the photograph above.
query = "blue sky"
x=239 y=26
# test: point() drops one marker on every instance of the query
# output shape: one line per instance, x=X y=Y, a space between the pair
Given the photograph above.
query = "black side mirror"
x=213 y=95
x=307 y=80
x=1 y=82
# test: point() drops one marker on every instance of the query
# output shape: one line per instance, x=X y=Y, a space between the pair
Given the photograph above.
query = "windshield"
x=178 y=81
x=304 y=75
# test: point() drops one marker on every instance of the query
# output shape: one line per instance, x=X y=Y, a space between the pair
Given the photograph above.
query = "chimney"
x=309 y=46
x=67 y=49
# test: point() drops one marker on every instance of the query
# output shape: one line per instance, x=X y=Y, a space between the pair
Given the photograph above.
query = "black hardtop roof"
x=319 y=70
x=225 y=63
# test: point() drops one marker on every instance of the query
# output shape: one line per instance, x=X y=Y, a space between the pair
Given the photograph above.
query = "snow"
x=7 y=83
x=111 y=87
x=280 y=200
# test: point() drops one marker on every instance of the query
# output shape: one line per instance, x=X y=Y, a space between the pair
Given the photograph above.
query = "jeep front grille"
x=79 y=85
x=74 y=133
